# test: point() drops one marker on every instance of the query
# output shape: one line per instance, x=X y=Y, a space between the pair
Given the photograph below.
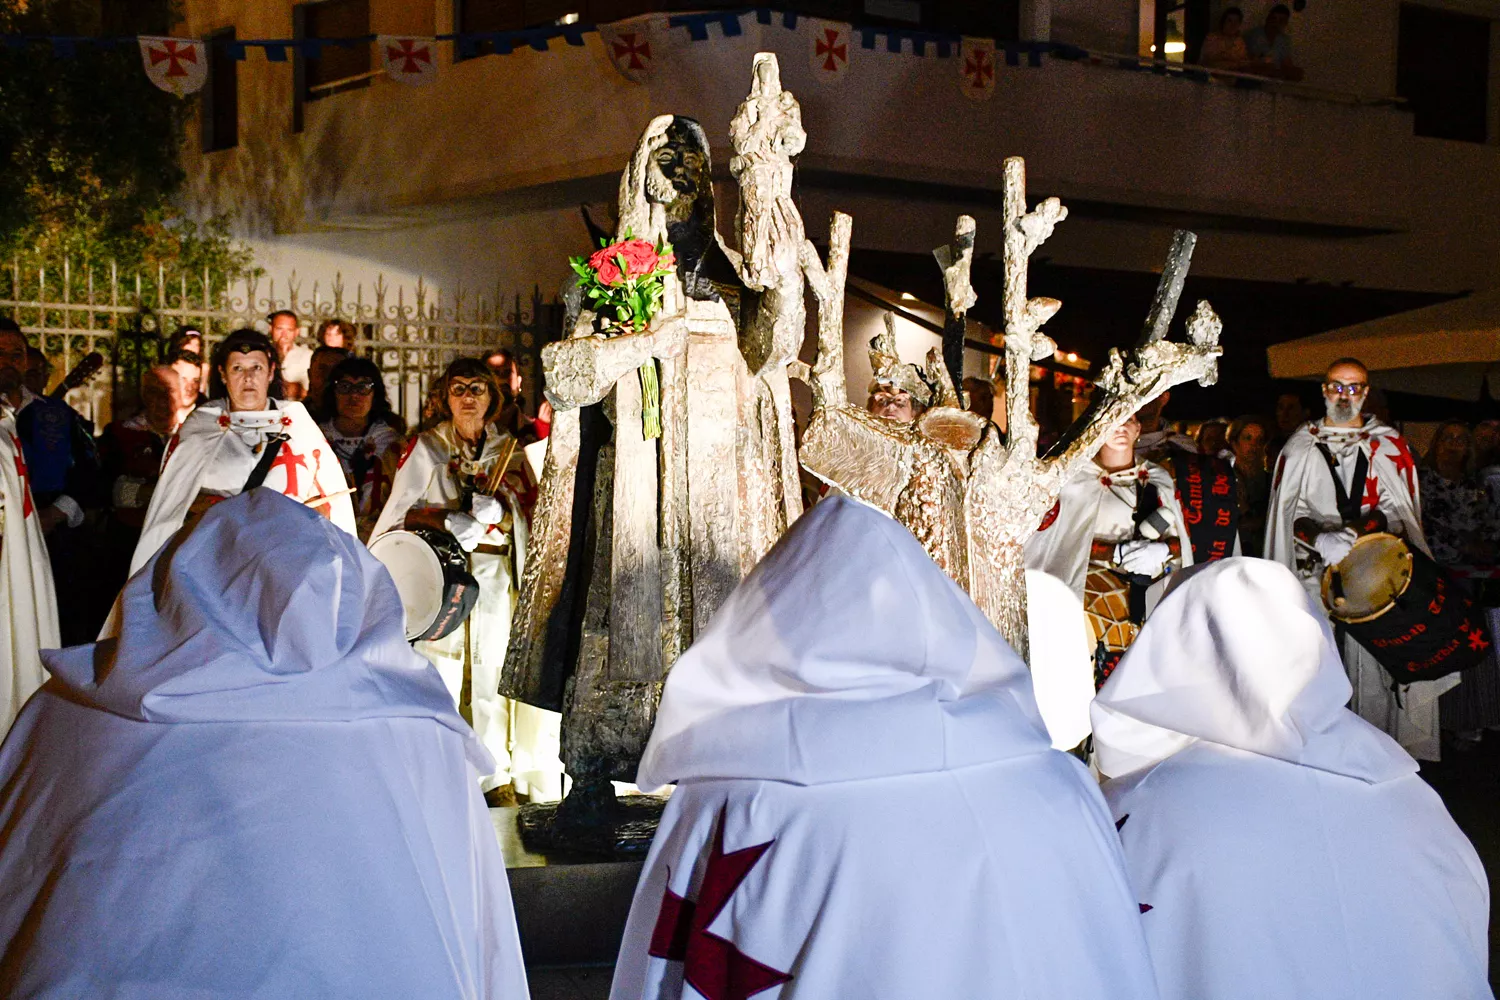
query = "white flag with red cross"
x=408 y=58
x=832 y=45
x=177 y=65
x=976 y=68
x=634 y=47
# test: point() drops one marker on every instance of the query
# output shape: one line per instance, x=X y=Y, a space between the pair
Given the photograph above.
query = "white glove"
x=1142 y=557
x=465 y=529
x=486 y=509
x=1333 y=546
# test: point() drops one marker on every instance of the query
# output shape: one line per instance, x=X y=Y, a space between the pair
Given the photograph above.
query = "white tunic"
x=433 y=474
x=1285 y=847
x=867 y=804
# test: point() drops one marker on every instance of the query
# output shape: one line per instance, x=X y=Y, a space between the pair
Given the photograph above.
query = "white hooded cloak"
x=1285 y=847
x=1303 y=487
x=258 y=790
x=867 y=803
x=28 y=600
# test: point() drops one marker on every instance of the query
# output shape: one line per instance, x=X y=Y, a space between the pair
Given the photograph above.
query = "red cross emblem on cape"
x=1403 y=461
x=291 y=462
x=26 y=505
x=711 y=965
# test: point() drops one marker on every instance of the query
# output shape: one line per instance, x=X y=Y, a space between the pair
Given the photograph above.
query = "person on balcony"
x=1270 y=47
x=1225 y=48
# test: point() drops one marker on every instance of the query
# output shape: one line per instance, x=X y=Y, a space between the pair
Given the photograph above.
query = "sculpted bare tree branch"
x=828 y=291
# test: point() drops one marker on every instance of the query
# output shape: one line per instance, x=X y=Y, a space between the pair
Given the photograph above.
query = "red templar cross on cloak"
x=406 y=57
x=290 y=461
x=1403 y=461
x=711 y=965
x=631 y=49
x=1371 y=499
x=177 y=54
x=26 y=506
x=831 y=49
x=979 y=67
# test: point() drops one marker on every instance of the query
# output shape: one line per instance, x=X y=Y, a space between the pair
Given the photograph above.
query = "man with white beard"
x=1337 y=478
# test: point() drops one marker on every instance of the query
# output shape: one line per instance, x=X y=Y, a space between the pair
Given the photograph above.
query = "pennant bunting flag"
x=832 y=45
x=633 y=47
x=976 y=68
x=177 y=65
x=407 y=58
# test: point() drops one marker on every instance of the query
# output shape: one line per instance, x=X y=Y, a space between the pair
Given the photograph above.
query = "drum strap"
x=1147 y=499
x=1349 y=506
x=267 y=459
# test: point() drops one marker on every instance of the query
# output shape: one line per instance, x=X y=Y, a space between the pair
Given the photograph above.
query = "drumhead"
x=1376 y=571
x=418 y=575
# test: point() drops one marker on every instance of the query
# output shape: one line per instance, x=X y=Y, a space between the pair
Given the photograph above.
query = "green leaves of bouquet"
x=623 y=283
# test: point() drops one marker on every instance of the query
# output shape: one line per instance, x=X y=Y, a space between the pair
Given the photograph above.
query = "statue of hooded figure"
x=636 y=540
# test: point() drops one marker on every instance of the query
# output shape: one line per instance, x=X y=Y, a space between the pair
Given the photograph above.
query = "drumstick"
x=314 y=501
x=499 y=470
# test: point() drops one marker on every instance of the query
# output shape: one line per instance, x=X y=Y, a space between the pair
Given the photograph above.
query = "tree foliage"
x=93 y=145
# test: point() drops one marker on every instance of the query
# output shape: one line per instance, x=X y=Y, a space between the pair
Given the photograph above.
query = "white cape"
x=1086 y=507
x=213 y=450
x=868 y=805
x=1303 y=487
x=257 y=791
x=1285 y=846
x=28 y=621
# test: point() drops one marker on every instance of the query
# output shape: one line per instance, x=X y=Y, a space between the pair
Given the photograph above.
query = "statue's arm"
x=581 y=371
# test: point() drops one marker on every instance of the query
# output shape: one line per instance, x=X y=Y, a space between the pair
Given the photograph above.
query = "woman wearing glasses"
x=447 y=481
x=365 y=433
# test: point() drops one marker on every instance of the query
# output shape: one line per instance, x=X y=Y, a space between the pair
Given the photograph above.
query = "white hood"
x=1237 y=655
x=265 y=612
x=847 y=653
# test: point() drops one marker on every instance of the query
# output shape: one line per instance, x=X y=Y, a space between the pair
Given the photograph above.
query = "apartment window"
x=336 y=68
x=1443 y=70
x=220 y=107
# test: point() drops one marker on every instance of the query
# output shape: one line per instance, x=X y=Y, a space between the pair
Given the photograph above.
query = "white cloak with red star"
x=867 y=804
x=215 y=451
x=28 y=623
x=1285 y=847
x=1303 y=487
x=258 y=790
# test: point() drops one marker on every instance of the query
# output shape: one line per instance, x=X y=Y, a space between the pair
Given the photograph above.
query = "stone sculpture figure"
x=971 y=499
x=635 y=541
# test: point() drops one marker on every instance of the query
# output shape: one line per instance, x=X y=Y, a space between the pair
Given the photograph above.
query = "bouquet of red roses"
x=627 y=279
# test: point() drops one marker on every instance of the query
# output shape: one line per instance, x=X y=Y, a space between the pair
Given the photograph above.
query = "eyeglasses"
x=1346 y=388
x=476 y=389
x=359 y=388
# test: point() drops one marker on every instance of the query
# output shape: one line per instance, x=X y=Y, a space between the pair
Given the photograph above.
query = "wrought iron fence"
x=412 y=333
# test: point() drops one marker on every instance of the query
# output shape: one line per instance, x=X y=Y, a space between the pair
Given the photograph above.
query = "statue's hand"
x=669 y=337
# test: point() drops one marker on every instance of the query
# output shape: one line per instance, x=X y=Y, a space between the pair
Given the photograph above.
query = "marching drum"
x=432 y=576
x=1412 y=616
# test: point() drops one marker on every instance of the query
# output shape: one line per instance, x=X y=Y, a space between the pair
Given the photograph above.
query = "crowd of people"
x=851 y=739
